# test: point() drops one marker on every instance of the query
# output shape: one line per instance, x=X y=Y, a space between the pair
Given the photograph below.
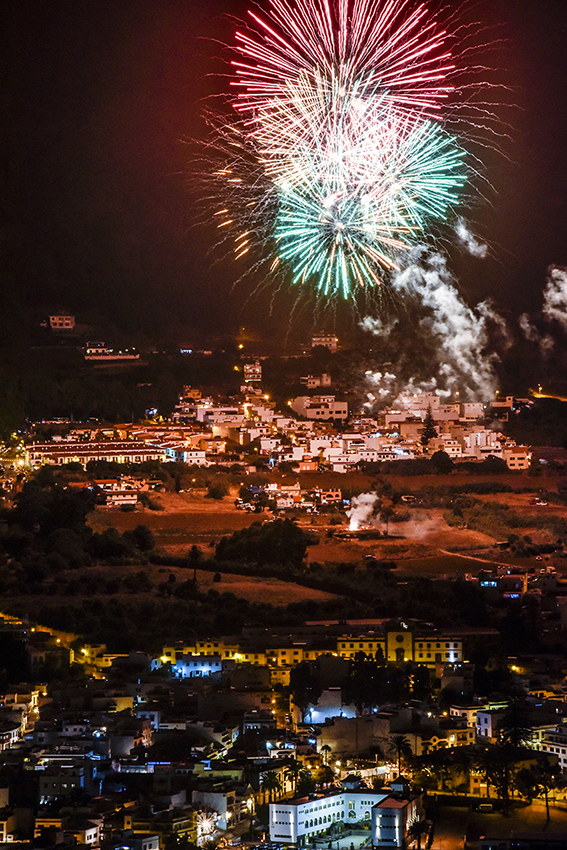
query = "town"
x=325 y=731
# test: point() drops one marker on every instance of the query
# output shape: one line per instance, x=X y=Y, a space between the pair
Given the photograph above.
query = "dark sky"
x=97 y=196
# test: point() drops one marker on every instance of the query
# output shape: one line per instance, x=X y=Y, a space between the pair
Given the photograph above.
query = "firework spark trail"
x=391 y=43
x=342 y=222
x=339 y=161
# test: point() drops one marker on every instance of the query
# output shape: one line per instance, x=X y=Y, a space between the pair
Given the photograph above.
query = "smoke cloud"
x=555 y=296
x=554 y=309
x=361 y=510
x=444 y=347
x=467 y=240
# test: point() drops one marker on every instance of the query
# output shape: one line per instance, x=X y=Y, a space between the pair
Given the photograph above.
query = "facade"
x=404 y=645
x=320 y=407
x=517 y=457
x=554 y=742
x=301 y=820
x=61 y=322
x=119 y=498
x=252 y=372
x=186 y=454
x=326 y=340
x=392 y=819
x=198 y=666
x=81 y=451
x=387 y=815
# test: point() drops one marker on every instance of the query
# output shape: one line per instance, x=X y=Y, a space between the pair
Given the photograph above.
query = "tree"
x=195 y=558
x=386 y=513
x=324 y=776
x=442 y=462
x=270 y=783
x=281 y=542
x=437 y=765
x=464 y=764
x=216 y=491
x=540 y=778
x=304 y=685
x=497 y=762
x=292 y=771
x=142 y=538
x=515 y=727
x=401 y=748
x=325 y=749
x=429 y=431
x=416 y=830
x=305 y=783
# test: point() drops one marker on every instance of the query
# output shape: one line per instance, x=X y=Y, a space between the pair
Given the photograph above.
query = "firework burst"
x=339 y=161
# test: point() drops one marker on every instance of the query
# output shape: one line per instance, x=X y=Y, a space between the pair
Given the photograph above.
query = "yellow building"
x=402 y=644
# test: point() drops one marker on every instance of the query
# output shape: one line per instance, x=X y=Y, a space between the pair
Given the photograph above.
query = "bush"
x=216 y=491
x=151 y=504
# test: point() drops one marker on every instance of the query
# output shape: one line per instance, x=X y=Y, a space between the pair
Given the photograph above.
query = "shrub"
x=216 y=491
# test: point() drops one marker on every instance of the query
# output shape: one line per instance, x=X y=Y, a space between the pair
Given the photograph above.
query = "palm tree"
x=324 y=776
x=271 y=783
x=305 y=783
x=401 y=747
x=463 y=762
x=292 y=771
x=325 y=749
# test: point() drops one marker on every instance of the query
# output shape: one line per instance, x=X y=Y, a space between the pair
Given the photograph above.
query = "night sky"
x=102 y=102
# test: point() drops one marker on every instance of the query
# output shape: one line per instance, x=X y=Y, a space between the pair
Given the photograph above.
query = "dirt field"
x=425 y=544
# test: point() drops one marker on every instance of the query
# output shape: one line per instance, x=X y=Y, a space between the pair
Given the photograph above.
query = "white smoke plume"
x=487 y=311
x=378 y=326
x=555 y=296
x=530 y=331
x=455 y=334
x=554 y=309
x=468 y=240
x=391 y=389
x=383 y=386
x=361 y=510
x=532 y=334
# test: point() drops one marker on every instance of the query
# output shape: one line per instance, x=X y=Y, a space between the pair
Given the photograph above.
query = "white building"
x=517 y=457
x=389 y=815
x=392 y=819
x=182 y=453
x=197 y=666
x=320 y=407
x=554 y=742
x=302 y=819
